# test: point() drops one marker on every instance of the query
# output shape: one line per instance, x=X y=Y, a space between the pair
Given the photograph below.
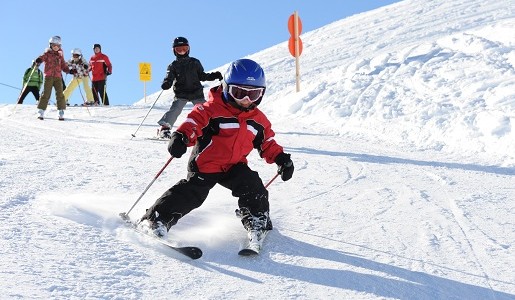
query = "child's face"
x=181 y=50
x=55 y=47
x=245 y=96
x=245 y=103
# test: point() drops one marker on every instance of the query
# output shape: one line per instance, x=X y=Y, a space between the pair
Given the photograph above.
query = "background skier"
x=185 y=74
x=32 y=81
x=54 y=65
x=79 y=64
x=100 y=67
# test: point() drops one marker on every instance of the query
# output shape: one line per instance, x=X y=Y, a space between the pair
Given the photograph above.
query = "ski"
x=157 y=139
x=189 y=251
x=58 y=119
x=254 y=243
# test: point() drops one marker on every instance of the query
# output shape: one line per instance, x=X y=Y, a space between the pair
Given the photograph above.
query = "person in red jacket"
x=100 y=67
x=223 y=131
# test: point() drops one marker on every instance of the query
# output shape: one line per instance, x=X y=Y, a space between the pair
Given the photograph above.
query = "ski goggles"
x=182 y=49
x=239 y=93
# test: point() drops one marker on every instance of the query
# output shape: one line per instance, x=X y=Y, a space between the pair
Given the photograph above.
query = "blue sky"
x=131 y=32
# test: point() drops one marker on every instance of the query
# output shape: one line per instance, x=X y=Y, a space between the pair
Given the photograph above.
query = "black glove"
x=85 y=67
x=38 y=60
x=108 y=73
x=73 y=71
x=218 y=75
x=177 y=146
x=285 y=166
x=166 y=85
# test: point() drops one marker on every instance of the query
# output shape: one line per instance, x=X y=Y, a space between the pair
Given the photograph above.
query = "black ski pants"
x=29 y=89
x=190 y=193
x=99 y=88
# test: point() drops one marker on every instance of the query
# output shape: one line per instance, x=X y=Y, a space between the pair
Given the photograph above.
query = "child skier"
x=32 y=81
x=54 y=65
x=79 y=64
x=223 y=131
x=185 y=74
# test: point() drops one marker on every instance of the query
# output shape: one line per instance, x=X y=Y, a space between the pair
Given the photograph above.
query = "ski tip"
x=191 y=252
x=197 y=254
x=124 y=216
x=247 y=252
x=157 y=139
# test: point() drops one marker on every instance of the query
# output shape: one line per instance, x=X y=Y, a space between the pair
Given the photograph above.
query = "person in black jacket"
x=185 y=74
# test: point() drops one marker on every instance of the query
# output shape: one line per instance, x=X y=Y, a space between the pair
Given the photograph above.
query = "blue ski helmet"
x=243 y=72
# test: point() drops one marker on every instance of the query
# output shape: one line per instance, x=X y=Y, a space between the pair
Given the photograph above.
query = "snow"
x=403 y=140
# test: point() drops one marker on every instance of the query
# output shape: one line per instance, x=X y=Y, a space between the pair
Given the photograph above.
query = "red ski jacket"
x=96 y=64
x=224 y=135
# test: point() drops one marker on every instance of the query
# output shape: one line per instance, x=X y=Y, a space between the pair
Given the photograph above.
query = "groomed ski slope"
x=402 y=140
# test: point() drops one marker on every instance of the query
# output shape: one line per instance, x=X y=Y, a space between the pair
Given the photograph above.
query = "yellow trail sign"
x=145 y=71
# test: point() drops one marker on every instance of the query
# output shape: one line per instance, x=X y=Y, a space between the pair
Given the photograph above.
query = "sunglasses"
x=76 y=55
x=239 y=93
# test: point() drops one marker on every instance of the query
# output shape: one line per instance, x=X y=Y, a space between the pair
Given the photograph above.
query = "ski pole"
x=104 y=96
x=125 y=216
x=105 y=83
x=25 y=86
x=134 y=134
x=271 y=180
x=83 y=100
x=94 y=90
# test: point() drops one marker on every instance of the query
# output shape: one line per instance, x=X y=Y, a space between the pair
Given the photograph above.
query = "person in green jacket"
x=32 y=81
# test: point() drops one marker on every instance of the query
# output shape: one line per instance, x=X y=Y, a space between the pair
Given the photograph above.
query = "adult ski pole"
x=125 y=216
x=94 y=90
x=104 y=96
x=134 y=134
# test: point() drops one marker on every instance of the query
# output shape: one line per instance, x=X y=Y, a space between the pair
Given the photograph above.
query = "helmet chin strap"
x=251 y=107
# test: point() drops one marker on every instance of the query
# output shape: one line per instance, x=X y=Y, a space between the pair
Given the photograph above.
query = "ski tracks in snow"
x=432 y=214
